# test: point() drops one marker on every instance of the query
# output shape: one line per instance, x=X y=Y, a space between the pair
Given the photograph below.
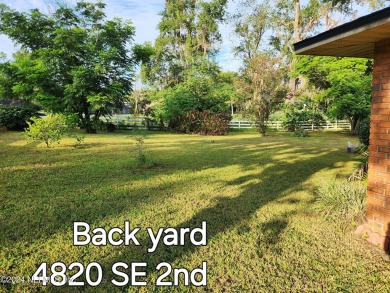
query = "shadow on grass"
x=277 y=181
x=94 y=195
x=55 y=213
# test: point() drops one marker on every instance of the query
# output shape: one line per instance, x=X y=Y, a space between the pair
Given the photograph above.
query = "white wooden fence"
x=278 y=125
x=129 y=122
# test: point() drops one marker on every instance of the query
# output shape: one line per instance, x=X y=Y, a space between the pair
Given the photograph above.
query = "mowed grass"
x=255 y=193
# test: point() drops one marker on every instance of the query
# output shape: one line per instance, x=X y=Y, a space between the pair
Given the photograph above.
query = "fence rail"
x=131 y=122
x=278 y=125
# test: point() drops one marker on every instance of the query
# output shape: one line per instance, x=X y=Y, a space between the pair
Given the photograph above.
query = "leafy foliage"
x=195 y=94
x=49 y=129
x=74 y=60
x=294 y=118
x=352 y=100
x=188 y=37
x=363 y=131
x=261 y=82
x=250 y=24
x=15 y=118
x=345 y=84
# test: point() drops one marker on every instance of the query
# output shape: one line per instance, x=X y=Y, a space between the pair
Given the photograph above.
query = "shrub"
x=300 y=132
x=200 y=93
x=294 y=119
x=342 y=199
x=110 y=127
x=49 y=129
x=206 y=123
x=363 y=131
x=215 y=123
x=14 y=118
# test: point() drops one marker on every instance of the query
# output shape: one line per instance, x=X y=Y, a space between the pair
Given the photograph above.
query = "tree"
x=250 y=25
x=261 y=81
x=225 y=90
x=345 y=84
x=295 y=20
x=352 y=98
x=74 y=60
x=188 y=39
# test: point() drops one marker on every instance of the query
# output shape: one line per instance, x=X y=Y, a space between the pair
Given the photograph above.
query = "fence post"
x=239 y=125
x=312 y=126
x=277 y=125
x=337 y=125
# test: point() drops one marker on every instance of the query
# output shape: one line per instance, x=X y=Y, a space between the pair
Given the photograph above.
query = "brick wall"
x=378 y=200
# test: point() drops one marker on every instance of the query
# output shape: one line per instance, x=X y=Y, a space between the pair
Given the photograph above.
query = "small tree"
x=352 y=100
x=49 y=129
x=139 y=138
x=261 y=82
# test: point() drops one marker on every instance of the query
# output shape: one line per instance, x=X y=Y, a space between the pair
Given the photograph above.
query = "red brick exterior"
x=378 y=199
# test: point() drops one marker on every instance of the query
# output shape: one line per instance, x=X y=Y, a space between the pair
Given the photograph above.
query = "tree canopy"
x=189 y=38
x=344 y=85
x=74 y=60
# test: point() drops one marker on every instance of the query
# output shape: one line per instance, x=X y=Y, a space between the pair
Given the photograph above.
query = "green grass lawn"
x=256 y=194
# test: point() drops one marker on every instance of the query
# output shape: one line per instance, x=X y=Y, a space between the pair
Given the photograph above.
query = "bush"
x=198 y=93
x=294 y=119
x=300 y=133
x=206 y=123
x=363 y=131
x=49 y=129
x=342 y=199
x=14 y=118
x=110 y=127
x=214 y=123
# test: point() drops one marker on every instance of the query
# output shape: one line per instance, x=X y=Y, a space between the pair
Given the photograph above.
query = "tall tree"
x=74 y=60
x=294 y=20
x=189 y=35
x=261 y=78
x=250 y=25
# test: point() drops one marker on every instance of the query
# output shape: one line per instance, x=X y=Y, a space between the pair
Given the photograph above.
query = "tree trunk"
x=88 y=125
x=87 y=118
x=297 y=37
x=262 y=128
x=354 y=122
x=136 y=112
